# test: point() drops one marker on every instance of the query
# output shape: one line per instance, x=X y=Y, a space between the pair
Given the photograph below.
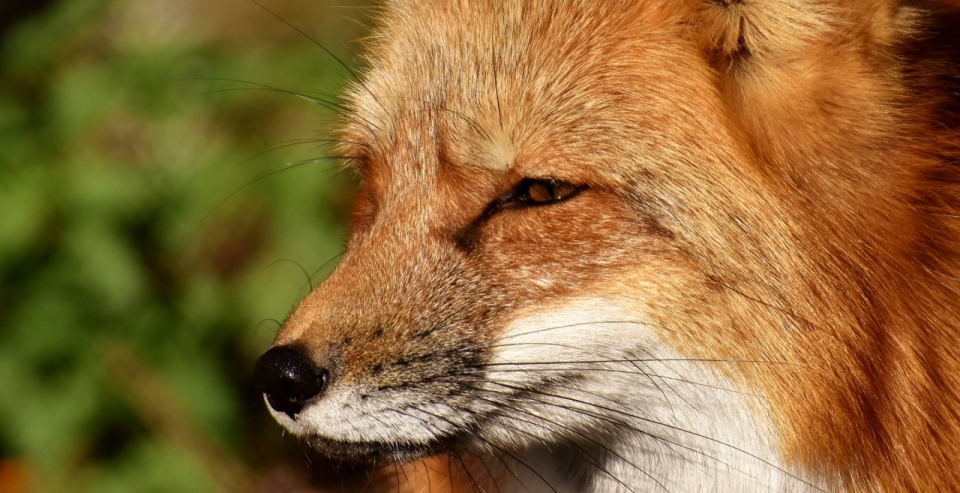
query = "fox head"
x=621 y=245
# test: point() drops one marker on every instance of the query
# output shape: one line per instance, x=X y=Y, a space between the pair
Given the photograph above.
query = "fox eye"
x=531 y=192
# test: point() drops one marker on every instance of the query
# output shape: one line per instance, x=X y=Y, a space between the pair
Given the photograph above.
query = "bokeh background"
x=163 y=202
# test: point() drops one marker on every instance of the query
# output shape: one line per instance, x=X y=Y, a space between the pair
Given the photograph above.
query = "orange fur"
x=774 y=183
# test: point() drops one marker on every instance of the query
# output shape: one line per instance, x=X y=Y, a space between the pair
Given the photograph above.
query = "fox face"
x=614 y=246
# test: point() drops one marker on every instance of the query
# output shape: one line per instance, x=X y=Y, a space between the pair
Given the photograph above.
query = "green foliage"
x=138 y=253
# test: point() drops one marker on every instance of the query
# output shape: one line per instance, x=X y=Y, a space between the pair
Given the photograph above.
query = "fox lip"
x=378 y=451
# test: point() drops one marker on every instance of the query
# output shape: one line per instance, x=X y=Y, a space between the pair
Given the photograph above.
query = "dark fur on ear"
x=932 y=61
x=734 y=31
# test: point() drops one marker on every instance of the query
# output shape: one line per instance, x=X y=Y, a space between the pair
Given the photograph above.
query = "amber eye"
x=531 y=192
x=548 y=191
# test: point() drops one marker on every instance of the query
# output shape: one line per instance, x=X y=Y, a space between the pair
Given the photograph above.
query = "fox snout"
x=369 y=336
x=363 y=362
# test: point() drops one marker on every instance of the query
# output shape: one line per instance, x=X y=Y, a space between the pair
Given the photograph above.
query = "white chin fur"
x=344 y=415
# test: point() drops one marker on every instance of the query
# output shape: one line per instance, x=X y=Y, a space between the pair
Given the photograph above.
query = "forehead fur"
x=563 y=84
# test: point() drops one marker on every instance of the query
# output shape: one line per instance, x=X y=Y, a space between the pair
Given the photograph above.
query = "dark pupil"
x=541 y=192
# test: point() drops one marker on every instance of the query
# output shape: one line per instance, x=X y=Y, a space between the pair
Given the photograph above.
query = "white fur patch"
x=498 y=152
x=344 y=414
x=642 y=415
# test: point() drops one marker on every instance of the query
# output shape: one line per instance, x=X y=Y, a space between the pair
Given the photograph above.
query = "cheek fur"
x=545 y=251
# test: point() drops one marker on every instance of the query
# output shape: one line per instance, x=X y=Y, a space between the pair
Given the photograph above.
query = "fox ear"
x=815 y=73
x=735 y=33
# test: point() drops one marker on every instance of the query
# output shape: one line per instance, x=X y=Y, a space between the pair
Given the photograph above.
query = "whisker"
x=496 y=89
x=493 y=343
x=328 y=262
x=466 y=470
x=257 y=328
x=658 y=423
x=627 y=360
x=568 y=326
x=327 y=98
x=271 y=173
x=294 y=262
x=624 y=424
x=426 y=468
x=793 y=315
x=599 y=444
x=325 y=50
x=486 y=442
x=490 y=475
x=469 y=121
x=284 y=145
x=666 y=399
x=317 y=101
x=613 y=370
x=406 y=477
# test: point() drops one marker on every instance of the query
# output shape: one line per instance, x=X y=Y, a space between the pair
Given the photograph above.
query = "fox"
x=657 y=245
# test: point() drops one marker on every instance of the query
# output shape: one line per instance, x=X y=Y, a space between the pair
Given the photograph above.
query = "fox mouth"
x=370 y=452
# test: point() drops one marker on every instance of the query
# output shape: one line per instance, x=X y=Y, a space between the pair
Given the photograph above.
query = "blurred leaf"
x=132 y=215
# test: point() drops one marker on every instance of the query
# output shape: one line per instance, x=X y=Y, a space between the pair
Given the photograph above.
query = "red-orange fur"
x=784 y=176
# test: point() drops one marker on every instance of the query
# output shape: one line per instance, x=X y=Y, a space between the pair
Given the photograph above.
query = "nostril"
x=288 y=378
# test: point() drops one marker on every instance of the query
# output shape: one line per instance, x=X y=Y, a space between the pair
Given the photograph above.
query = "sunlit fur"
x=757 y=287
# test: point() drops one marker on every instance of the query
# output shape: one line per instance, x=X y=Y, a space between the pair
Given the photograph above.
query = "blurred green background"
x=155 y=225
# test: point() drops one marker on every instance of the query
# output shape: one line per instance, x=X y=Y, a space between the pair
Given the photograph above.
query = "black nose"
x=288 y=378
